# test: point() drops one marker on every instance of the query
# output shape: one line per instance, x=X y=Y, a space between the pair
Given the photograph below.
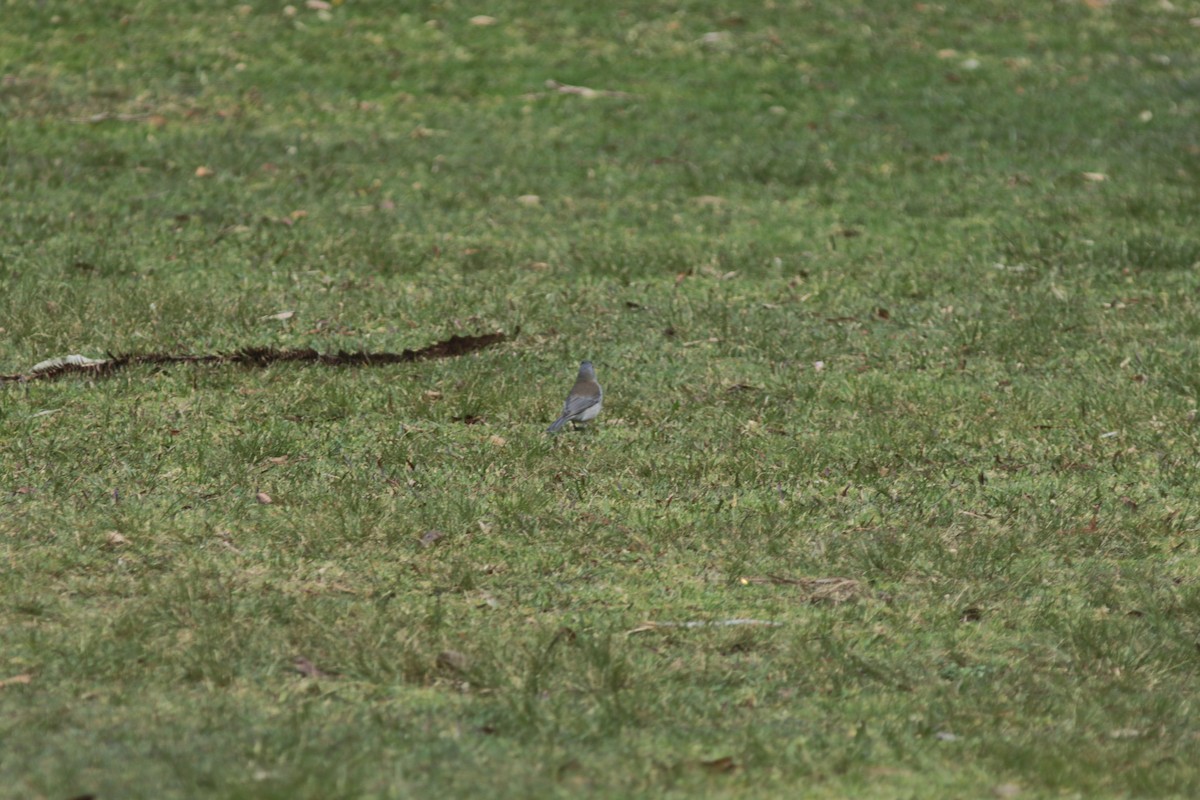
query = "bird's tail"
x=558 y=423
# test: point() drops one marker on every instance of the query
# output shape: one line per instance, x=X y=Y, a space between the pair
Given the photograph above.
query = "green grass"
x=861 y=307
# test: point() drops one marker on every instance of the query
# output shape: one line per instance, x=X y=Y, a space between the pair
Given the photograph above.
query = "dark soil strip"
x=266 y=356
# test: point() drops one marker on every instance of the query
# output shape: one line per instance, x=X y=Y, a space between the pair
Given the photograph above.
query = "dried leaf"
x=263 y=498
x=482 y=20
x=114 y=539
x=282 y=315
x=204 y=172
x=17 y=680
x=529 y=200
x=1095 y=177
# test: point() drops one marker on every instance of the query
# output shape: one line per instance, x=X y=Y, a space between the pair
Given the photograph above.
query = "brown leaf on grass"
x=114 y=539
x=282 y=315
x=263 y=498
x=204 y=172
x=310 y=670
x=17 y=680
x=482 y=20
x=818 y=590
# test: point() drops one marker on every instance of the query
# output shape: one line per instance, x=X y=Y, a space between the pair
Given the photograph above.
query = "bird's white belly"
x=589 y=413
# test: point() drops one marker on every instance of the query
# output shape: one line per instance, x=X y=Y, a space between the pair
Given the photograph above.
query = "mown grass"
x=903 y=295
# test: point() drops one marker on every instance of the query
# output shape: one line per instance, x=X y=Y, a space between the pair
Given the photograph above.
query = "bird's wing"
x=577 y=404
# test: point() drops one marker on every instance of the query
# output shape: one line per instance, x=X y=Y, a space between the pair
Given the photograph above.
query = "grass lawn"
x=896 y=307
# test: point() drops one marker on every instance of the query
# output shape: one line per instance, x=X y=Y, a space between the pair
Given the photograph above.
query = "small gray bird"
x=583 y=402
